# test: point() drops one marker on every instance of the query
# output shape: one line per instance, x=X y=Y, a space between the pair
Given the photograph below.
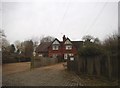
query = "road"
x=55 y=75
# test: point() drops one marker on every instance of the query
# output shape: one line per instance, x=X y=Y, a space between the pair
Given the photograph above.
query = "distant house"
x=56 y=48
x=42 y=49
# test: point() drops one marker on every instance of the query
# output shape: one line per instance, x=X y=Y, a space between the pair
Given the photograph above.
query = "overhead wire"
x=64 y=15
x=96 y=18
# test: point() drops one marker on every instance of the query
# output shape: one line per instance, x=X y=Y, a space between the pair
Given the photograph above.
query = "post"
x=97 y=65
x=90 y=66
x=32 y=60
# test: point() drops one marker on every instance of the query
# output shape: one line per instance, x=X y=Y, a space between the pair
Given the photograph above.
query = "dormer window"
x=68 y=47
x=55 y=44
x=55 y=47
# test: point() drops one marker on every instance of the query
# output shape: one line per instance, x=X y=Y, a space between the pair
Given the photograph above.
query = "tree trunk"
x=32 y=62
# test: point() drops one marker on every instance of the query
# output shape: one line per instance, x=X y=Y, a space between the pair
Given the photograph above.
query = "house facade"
x=57 y=48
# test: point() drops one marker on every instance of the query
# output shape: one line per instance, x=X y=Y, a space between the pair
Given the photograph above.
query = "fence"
x=43 y=61
x=99 y=66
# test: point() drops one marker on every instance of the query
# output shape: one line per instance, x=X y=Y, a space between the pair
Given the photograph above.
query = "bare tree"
x=2 y=34
x=97 y=41
x=3 y=41
x=12 y=48
x=88 y=38
x=17 y=44
x=111 y=43
x=29 y=48
x=47 y=39
x=35 y=42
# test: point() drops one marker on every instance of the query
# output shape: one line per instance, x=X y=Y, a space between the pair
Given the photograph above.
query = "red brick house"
x=59 y=48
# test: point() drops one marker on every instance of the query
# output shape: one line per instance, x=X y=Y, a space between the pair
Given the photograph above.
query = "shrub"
x=91 y=50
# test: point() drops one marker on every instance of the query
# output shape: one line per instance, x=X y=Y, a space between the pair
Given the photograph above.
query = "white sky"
x=24 y=20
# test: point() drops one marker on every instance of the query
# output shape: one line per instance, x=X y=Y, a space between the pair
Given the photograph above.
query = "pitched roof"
x=43 y=47
x=77 y=44
x=55 y=39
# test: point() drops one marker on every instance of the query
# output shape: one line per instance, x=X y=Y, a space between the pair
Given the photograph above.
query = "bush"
x=111 y=45
x=91 y=50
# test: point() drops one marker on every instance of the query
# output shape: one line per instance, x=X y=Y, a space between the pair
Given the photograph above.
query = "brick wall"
x=62 y=50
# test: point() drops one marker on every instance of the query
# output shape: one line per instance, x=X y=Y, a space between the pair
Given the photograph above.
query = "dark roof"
x=77 y=44
x=55 y=39
x=43 y=47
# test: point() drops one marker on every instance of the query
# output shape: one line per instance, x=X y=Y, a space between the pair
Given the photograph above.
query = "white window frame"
x=72 y=58
x=68 y=47
x=71 y=54
x=40 y=55
x=55 y=47
x=67 y=54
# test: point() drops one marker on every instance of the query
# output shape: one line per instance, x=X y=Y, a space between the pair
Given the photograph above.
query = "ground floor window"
x=67 y=54
x=70 y=54
x=40 y=55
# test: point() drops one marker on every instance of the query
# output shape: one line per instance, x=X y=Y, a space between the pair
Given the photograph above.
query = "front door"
x=65 y=56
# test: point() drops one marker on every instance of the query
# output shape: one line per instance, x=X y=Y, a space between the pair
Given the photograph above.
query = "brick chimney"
x=64 y=38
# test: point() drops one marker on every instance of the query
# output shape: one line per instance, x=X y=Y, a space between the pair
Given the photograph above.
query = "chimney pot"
x=64 y=38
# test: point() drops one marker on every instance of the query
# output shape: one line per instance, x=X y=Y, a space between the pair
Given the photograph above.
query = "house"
x=57 y=48
x=42 y=49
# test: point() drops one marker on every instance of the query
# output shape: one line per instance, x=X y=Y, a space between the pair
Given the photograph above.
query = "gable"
x=56 y=42
x=67 y=42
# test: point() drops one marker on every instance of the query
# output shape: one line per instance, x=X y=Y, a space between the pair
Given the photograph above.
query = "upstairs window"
x=55 y=47
x=68 y=47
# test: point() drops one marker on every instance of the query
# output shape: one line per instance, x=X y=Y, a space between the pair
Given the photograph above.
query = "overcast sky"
x=24 y=20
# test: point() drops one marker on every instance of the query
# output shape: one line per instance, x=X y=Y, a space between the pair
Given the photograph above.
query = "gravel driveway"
x=54 y=75
x=19 y=74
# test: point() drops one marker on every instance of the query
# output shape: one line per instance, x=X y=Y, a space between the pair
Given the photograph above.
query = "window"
x=68 y=47
x=72 y=58
x=40 y=55
x=66 y=55
x=55 y=47
x=70 y=54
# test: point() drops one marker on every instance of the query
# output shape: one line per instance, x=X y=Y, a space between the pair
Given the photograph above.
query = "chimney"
x=64 y=38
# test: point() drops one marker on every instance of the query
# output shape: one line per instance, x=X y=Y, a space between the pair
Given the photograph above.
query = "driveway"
x=15 y=68
x=55 y=75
